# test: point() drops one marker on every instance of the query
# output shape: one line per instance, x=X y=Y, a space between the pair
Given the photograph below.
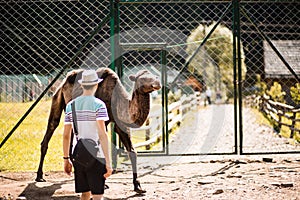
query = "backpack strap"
x=74 y=117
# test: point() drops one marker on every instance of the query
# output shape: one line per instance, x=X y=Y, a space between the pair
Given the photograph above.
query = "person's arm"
x=66 y=148
x=103 y=137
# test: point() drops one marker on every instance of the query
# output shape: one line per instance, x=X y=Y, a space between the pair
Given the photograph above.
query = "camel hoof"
x=140 y=191
x=137 y=187
x=39 y=179
x=115 y=171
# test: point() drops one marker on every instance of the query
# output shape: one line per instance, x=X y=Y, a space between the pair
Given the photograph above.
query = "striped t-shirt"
x=88 y=110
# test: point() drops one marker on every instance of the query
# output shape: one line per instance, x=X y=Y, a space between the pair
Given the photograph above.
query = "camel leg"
x=126 y=140
x=44 y=148
x=53 y=121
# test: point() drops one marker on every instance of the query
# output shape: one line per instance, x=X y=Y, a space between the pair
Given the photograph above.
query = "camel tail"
x=57 y=107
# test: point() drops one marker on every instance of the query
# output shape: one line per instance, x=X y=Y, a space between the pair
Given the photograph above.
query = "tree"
x=215 y=60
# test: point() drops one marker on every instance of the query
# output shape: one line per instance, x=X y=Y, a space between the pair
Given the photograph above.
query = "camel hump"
x=72 y=76
x=105 y=72
x=102 y=72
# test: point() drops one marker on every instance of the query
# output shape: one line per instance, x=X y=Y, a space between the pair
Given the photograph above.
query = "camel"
x=123 y=110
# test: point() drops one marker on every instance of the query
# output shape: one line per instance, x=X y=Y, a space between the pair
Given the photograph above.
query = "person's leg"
x=96 y=181
x=97 y=196
x=85 y=196
x=81 y=182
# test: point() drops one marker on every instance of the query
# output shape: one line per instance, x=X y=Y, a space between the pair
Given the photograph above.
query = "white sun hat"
x=89 y=77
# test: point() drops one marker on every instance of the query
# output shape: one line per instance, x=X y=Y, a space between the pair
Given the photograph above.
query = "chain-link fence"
x=270 y=38
x=40 y=42
x=43 y=39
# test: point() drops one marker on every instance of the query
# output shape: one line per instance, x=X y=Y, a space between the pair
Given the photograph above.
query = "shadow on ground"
x=35 y=191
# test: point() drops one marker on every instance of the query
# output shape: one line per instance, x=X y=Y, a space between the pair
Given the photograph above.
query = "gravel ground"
x=211 y=130
x=187 y=178
x=190 y=177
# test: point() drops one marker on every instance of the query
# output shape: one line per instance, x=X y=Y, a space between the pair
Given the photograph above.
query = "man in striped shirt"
x=91 y=115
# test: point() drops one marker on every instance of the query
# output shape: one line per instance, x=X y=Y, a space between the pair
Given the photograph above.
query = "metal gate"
x=232 y=51
x=226 y=126
x=185 y=84
x=155 y=127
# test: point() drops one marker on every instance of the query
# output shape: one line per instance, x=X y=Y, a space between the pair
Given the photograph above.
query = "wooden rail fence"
x=279 y=112
x=176 y=113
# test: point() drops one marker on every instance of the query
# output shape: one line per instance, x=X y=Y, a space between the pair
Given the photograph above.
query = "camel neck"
x=141 y=101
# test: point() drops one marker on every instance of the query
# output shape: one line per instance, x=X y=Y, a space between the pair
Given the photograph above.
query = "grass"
x=21 y=152
x=285 y=130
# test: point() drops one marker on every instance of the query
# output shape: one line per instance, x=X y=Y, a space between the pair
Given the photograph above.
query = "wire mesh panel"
x=40 y=40
x=209 y=69
x=270 y=38
x=183 y=26
x=136 y=58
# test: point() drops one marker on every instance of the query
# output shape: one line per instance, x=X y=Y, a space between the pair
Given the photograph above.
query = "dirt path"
x=194 y=177
x=211 y=130
x=187 y=178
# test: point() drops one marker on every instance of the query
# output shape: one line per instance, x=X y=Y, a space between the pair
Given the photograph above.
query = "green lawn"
x=22 y=150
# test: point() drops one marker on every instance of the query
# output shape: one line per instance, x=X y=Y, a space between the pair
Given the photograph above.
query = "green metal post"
x=238 y=101
x=234 y=9
x=165 y=136
x=118 y=57
x=117 y=50
x=240 y=81
x=112 y=34
x=113 y=47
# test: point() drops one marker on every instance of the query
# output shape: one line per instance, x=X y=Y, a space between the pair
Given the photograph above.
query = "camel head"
x=145 y=81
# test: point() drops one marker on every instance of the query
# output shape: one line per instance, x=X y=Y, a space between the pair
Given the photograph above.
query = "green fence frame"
x=116 y=64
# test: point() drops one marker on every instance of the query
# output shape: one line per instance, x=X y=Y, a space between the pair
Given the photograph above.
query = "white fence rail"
x=176 y=113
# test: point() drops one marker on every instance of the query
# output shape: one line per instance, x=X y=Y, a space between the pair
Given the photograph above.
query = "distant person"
x=31 y=95
x=208 y=95
x=218 y=97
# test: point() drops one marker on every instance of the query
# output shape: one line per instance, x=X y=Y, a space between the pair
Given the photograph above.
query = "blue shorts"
x=90 y=179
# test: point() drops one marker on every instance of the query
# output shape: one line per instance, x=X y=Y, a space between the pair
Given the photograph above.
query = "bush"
x=276 y=93
x=295 y=93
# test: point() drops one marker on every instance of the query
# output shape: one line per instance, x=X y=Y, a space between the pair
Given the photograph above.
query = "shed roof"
x=274 y=67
